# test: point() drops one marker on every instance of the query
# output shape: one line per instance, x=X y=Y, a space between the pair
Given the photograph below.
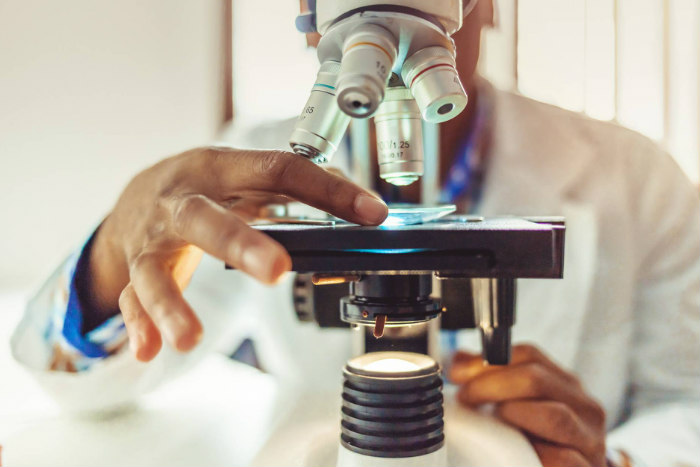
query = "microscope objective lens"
x=445 y=109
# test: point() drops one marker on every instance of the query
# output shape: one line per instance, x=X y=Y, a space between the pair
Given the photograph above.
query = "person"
x=612 y=374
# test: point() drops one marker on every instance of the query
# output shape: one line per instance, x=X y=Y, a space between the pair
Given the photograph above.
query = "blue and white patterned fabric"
x=67 y=347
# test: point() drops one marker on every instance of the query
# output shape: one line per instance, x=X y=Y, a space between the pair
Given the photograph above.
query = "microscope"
x=396 y=286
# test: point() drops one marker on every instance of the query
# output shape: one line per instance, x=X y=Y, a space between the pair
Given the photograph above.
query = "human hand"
x=565 y=425
x=147 y=249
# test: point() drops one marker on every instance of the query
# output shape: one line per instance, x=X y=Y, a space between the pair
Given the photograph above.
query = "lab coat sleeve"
x=83 y=383
x=80 y=382
x=50 y=336
x=664 y=424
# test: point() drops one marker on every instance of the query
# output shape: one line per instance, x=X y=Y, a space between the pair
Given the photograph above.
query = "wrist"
x=104 y=277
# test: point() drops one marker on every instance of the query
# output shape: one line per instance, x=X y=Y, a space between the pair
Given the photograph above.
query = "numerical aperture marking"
x=391 y=150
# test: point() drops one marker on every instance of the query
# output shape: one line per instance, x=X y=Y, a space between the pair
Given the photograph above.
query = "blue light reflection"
x=390 y=251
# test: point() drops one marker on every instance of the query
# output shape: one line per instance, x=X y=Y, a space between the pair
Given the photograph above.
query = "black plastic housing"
x=392 y=415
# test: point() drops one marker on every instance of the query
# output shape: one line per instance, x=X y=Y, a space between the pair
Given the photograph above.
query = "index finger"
x=292 y=175
x=467 y=366
x=527 y=381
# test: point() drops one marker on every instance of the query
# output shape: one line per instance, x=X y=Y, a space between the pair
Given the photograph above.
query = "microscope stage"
x=467 y=246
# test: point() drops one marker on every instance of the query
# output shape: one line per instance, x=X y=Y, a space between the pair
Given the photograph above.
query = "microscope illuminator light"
x=392 y=406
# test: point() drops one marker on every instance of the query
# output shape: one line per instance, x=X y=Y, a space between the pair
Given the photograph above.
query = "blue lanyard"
x=465 y=178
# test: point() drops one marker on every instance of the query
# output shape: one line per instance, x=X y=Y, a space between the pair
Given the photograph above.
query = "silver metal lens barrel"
x=321 y=125
x=431 y=75
x=369 y=53
x=399 y=137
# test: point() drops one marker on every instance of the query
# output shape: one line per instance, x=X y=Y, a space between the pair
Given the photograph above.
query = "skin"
x=147 y=249
x=548 y=404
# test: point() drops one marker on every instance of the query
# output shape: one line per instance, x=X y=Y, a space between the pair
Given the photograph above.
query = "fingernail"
x=188 y=340
x=134 y=345
x=264 y=263
x=171 y=330
x=182 y=334
x=137 y=345
x=372 y=210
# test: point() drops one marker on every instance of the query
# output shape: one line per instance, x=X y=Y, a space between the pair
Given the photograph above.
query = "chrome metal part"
x=399 y=137
x=321 y=125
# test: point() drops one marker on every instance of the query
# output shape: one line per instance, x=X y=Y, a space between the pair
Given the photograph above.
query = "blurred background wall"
x=91 y=91
x=634 y=61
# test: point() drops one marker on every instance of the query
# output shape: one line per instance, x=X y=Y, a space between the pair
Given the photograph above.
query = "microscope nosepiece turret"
x=364 y=43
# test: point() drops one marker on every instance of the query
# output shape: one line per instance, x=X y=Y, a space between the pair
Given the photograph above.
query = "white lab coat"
x=625 y=318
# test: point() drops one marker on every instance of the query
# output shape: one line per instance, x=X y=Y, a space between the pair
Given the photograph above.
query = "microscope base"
x=347 y=458
x=309 y=436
